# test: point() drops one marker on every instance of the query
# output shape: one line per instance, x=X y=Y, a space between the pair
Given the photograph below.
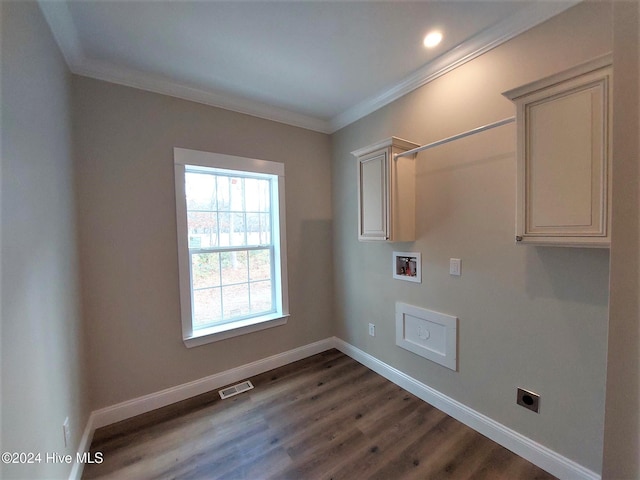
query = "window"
x=231 y=245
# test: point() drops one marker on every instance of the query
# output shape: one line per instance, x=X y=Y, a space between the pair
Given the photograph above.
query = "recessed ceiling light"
x=432 y=39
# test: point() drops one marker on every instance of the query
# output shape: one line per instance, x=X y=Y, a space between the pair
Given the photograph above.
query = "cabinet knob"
x=518 y=238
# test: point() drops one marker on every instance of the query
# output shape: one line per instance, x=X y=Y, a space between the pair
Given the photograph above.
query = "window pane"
x=264 y=196
x=251 y=201
x=238 y=229
x=259 y=265
x=253 y=229
x=237 y=194
x=265 y=229
x=234 y=267
x=201 y=191
x=203 y=229
x=261 y=297
x=205 y=270
x=256 y=195
x=235 y=301
x=223 y=193
x=224 y=223
x=207 y=307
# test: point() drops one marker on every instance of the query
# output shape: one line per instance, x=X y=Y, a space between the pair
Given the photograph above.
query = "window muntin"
x=231 y=235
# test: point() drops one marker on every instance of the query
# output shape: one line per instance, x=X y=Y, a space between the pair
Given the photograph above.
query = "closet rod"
x=457 y=137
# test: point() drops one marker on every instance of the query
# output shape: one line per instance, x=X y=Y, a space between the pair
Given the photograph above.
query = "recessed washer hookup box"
x=432 y=335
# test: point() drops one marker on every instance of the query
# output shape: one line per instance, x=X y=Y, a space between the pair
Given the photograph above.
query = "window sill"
x=234 y=329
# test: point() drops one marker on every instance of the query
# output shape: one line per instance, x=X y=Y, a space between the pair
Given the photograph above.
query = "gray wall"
x=622 y=419
x=124 y=161
x=529 y=316
x=42 y=361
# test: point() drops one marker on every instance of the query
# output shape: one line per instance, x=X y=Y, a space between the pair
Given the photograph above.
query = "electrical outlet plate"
x=455 y=267
x=528 y=400
x=372 y=330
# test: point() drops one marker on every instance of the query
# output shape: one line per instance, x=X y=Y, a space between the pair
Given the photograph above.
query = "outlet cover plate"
x=455 y=267
x=528 y=400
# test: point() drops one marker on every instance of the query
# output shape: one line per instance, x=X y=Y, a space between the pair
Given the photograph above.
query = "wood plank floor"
x=324 y=417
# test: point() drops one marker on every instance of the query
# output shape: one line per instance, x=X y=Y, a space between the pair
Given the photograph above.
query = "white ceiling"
x=315 y=64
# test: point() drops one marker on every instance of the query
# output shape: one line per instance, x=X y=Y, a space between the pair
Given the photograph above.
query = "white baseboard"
x=536 y=453
x=85 y=445
x=147 y=403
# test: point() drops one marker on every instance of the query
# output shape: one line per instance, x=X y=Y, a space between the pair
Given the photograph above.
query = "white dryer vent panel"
x=430 y=334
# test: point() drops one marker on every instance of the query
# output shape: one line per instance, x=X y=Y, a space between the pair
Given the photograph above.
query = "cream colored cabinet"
x=564 y=157
x=386 y=192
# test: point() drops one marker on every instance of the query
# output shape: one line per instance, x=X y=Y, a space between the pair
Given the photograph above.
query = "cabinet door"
x=563 y=162
x=373 y=197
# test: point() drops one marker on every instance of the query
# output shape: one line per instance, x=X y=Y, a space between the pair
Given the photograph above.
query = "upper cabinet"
x=564 y=157
x=386 y=192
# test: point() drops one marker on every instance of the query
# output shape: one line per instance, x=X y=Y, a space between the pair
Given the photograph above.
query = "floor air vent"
x=235 y=389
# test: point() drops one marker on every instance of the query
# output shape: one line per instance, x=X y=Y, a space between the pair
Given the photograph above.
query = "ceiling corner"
x=58 y=16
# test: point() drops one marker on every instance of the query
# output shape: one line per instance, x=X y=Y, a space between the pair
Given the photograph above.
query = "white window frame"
x=193 y=158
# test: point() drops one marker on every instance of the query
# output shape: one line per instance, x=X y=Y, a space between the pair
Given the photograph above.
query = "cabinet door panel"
x=373 y=197
x=565 y=161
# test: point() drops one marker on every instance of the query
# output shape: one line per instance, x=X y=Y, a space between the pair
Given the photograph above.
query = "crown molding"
x=463 y=53
x=60 y=21
x=155 y=83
